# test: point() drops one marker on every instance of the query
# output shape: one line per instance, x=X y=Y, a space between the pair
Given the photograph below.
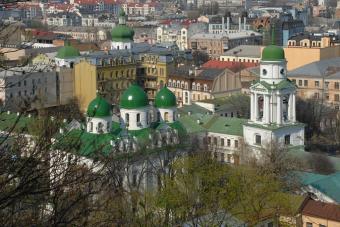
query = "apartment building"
x=243 y=53
x=193 y=84
x=305 y=49
x=320 y=80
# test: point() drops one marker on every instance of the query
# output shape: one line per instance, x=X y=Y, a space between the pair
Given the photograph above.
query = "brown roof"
x=321 y=210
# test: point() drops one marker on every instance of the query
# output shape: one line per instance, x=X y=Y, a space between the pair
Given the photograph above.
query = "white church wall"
x=132 y=113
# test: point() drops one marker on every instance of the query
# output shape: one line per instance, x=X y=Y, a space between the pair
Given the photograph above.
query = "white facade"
x=135 y=119
x=121 y=45
x=166 y=115
x=67 y=62
x=170 y=34
x=98 y=125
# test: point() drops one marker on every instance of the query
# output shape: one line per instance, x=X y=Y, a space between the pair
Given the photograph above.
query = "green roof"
x=284 y=84
x=99 y=107
x=122 y=33
x=273 y=127
x=133 y=98
x=210 y=123
x=327 y=184
x=165 y=98
x=67 y=51
x=273 y=53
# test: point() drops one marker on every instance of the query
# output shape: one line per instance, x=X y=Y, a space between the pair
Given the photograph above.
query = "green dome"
x=134 y=97
x=273 y=53
x=122 y=33
x=99 y=107
x=67 y=52
x=165 y=98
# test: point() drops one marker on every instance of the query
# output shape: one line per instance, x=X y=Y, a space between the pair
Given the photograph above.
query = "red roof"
x=234 y=66
x=321 y=210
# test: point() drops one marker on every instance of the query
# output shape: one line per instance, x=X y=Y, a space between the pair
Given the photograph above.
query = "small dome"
x=165 y=98
x=273 y=53
x=99 y=107
x=67 y=51
x=122 y=33
x=133 y=98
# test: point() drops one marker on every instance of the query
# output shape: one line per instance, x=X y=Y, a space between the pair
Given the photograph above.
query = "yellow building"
x=304 y=50
x=110 y=77
x=319 y=80
x=152 y=72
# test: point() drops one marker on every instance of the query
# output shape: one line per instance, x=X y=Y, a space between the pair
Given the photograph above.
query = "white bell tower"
x=273 y=105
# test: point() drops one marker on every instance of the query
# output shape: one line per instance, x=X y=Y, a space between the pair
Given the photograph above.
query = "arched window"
x=166 y=116
x=100 y=127
x=193 y=86
x=178 y=84
x=91 y=126
x=182 y=84
x=186 y=85
x=138 y=118
x=169 y=83
x=205 y=87
x=127 y=118
x=198 y=87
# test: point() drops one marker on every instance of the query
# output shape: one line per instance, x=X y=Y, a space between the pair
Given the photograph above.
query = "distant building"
x=320 y=80
x=302 y=50
x=64 y=19
x=216 y=44
x=178 y=33
x=190 y=85
x=243 y=53
x=139 y=9
x=85 y=34
x=28 y=88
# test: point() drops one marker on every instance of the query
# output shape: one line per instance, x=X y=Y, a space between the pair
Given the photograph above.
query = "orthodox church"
x=139 y=125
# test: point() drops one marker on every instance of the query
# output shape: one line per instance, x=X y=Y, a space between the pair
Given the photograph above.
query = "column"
x=293 y=108
x=266 y=109
x=252 y=112
x=290 y=106
x=256 y=109
x=279 y=110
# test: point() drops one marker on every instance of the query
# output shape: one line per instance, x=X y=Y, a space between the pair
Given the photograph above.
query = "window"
x=305 y=83
x=287 y=139
x=282 y=71
x=294 y=81
x=336 y=97
x=236 y=143
x=222 y=142
x=309 y=224
x=264 y=72
x=300 y=82
x=222 y=157
x=270 y=224
x=317 y=84
x=209 y=140
x=228 y=142
x=326 y=84
x=166 y=116
x=327 y=96
x=91 y=126
x=258 y=139
x=316 y=95
x=127 y=118
x=100 y=127
x=138 y=118
x=215 y=141
x=336 y=85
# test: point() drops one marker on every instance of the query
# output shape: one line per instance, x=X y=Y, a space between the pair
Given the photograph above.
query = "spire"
x=273 y=34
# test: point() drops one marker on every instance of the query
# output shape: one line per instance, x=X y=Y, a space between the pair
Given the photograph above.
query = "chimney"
x=239 y=24
x=228 y=25
x=223 y=26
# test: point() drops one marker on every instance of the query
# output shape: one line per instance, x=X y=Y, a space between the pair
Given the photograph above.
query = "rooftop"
x=245 y=51
x=322 y=210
